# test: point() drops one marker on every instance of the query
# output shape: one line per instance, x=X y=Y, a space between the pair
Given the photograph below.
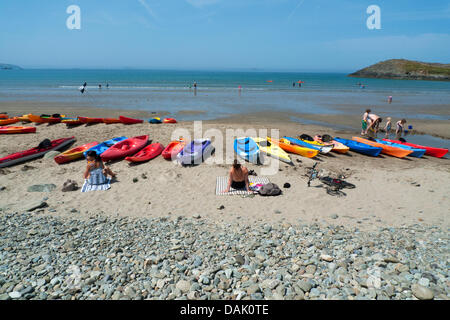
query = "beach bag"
x=269 y=189
x=45 y=144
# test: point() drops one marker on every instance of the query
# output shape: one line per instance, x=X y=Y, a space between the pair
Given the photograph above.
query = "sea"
x=224 y=93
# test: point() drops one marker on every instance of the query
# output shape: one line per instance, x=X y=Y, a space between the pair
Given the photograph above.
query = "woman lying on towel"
x=238 y=178
x=96 y=174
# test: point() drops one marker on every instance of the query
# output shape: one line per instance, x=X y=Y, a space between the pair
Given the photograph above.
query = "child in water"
x=364 y=121
x=387 y=127
x=399 y=130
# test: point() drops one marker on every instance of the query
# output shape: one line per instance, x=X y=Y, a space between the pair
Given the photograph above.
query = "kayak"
x=11 y=130
x=360 y=147
x=39 y=119
x=391 y=151
x=74 y=153
x=125 y=148
x=195 y=152
x=105 y=145
x=3 y=116
x=72 y=122
x=430 y=151
x=111 y=120
x=173 y=149
x=24 y=118
x=9 y=121
x=33 y=153
x=272 y=150
x=247 y=149
x=149 y=152
x=155 y=120
x=303 y=143
x=126 y=120
x=292 y=148
x=321 y=144
x=90 y=120
x=416 y=152
x=169 y=120
x=337 y=146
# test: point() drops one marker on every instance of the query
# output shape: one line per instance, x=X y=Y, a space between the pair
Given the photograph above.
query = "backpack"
x=45 y=144
x=270 y=189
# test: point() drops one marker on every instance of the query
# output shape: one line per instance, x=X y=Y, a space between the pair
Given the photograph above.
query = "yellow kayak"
x=292 y=148
x=272 y=149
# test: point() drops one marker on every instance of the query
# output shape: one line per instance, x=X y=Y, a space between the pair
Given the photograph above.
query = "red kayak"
x=149 y=152
x=12 y=130
x=126 y=120
x=90 y=120
x=33 y=153
x=174 y=148
x=434 y=152
x=124 y=148
x=169 y=120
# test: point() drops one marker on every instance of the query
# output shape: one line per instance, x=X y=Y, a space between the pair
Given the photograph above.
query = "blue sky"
x=284 y=35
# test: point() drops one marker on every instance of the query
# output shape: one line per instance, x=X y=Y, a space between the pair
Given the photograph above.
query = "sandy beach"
x=389 y=191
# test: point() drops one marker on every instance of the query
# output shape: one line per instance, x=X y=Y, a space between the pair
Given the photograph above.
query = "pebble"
x=421 y=292
x=152 y=258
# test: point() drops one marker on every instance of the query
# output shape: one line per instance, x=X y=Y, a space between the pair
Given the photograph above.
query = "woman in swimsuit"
x=238 y=178
x=94 y=162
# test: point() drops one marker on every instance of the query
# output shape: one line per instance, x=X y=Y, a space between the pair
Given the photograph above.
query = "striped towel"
x=97 y=181
x=222 y=182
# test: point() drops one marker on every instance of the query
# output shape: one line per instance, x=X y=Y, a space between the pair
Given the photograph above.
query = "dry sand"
x=386 y=191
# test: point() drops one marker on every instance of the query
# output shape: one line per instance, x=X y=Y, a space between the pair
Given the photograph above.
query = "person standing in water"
x=364 y=121
x=387 y=127
x=399 y=130
x=195 y=88
x=390 y=99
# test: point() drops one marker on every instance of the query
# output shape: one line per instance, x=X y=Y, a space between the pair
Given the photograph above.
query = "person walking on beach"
x=387 y=127
x=238 y=177
x=399 y=130
x=364 y=121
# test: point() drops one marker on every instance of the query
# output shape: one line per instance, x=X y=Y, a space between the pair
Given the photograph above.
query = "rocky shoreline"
x=45 y=257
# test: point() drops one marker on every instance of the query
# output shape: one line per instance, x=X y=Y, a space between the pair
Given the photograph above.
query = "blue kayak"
x=195 y=152
x=155 y=120
x=247 y=149
x=416 y=151
x=303 y=143
x=105 y=145
x=360 y=147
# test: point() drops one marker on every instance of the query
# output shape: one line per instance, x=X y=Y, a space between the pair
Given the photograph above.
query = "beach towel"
x=255 y=183
x=97 y=181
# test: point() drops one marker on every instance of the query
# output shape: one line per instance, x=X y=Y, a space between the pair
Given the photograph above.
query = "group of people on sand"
x=371 y=125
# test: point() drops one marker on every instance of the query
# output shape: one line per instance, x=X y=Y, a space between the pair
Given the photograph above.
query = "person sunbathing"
x=238 y=178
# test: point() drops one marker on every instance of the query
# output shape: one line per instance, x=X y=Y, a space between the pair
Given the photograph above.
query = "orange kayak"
x=90 y=120
x=10 y=130
x=174 y=148
x=9 y=121
x=24 y=118
x=337 y=146
x=292 y=148
x=169 y=120
x=74 y=153
x=38 y=119
x=111 y=120
x=72 y=122
x=3 y=116
x=389 y=150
